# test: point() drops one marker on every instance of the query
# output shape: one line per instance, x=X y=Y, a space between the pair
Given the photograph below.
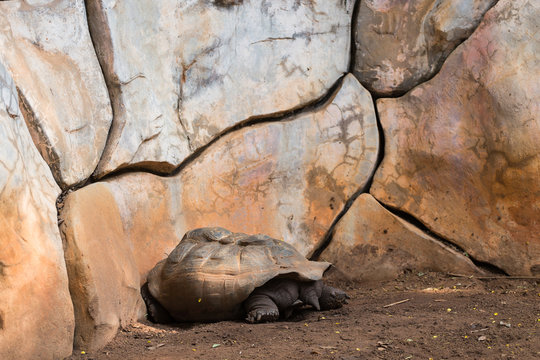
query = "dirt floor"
x=441 y=317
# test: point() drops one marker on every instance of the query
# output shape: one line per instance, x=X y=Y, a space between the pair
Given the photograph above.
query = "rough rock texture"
x=287 y=179
x=103 y=277
x=47 y=47
x=36 y=315
x=371 y=244
x=181 y=72
x=400 y=43
x=462 y=151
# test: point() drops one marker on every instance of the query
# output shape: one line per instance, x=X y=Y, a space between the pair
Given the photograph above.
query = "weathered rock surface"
x=462 y=152
x=36 y=315
x=103 y=277
x=287 y=179
x=372 y=244
x=400 y=43
x=181 y=72
x=47 y=47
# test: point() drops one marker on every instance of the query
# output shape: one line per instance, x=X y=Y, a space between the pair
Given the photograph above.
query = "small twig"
x=495 y=277
x=484 y=329
x=396 y=303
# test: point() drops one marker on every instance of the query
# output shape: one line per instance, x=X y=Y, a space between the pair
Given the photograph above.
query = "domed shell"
x=212 y=271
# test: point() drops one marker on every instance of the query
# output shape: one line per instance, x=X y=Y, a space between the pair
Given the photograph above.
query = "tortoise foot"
x=262 y=315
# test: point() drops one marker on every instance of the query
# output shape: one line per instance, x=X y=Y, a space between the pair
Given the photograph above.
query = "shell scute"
x=212 y=271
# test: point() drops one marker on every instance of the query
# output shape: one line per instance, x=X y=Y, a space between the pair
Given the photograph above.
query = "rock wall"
x=48 y=49
x=401 y=43
x=35 y=301
x=463 y=150
x=181 y=73
x=142 y=121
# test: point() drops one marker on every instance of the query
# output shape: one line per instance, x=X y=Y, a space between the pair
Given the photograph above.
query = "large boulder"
x=36 y=314
x=400 y=43
x=369 y=243
x=47 y=47
x=180 y=73
x=462 y=152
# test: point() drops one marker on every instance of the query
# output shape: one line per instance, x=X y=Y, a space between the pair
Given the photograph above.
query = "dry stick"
x=484 y=329
x=495 y=277
x=396 y=303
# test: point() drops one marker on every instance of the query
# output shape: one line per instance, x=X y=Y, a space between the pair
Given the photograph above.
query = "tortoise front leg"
x=260 y=308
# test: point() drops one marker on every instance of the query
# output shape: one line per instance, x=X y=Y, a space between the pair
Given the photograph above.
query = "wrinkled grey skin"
x=277 y=298
x=280 y=296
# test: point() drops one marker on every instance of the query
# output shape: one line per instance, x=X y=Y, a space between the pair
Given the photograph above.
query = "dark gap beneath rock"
x=227 y=3
x=490 y=268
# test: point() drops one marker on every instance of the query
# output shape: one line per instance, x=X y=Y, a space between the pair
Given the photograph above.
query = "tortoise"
x=214 y=274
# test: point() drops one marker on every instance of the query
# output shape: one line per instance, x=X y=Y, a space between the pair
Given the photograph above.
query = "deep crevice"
x=488 y=267
x=40 y=139
x=354 y=21
x=327 y=239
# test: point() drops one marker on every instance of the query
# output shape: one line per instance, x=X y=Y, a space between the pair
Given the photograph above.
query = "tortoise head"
x=332 y=298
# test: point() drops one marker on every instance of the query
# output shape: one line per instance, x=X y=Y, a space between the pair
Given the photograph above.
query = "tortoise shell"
x=212 y=271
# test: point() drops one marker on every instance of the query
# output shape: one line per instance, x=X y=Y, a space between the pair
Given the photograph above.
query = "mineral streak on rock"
x=180 y=73
x=47 y=47
x=36 y=314
x=400 y=43
x=462 y=151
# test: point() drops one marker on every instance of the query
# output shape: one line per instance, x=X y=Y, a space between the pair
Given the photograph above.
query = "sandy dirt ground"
x=439 y=317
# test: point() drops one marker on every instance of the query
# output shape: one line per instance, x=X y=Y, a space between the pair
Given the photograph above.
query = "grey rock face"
x=180 y=73
x=47 y=47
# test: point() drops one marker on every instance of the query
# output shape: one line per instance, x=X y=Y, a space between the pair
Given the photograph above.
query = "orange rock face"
x=36 y=315
x=286 y=179
x=372 y=244
x=103 y=276
x=462 y=151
